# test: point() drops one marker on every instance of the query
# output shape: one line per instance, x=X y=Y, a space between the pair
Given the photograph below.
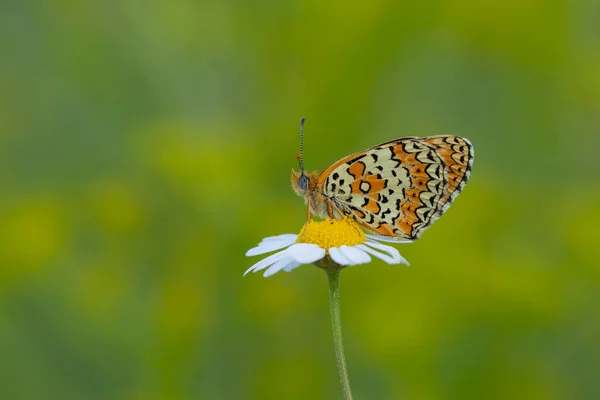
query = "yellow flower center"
x=332 y=233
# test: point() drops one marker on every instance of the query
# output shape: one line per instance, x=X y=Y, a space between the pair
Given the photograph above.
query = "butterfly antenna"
x=300 y=156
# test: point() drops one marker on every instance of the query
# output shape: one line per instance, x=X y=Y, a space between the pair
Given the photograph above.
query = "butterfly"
x=395 y=189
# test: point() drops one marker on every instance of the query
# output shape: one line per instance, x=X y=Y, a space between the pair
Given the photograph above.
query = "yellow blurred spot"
x=201 y=161
x=116 y=206
x=102 y=288
x=580 y=233
x=32 y=235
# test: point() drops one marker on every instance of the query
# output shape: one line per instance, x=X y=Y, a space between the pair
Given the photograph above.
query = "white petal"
x=390 y=250
x=305 y=253
x=355 y=255
x=272 y=244
x=389 y=239
x=278 y=266
x=339 y=257
x=381 y=256
x=292 y=265
x=265 y=262
x=285 y=236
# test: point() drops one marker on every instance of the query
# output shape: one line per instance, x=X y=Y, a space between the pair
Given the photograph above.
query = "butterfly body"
x=398 y=188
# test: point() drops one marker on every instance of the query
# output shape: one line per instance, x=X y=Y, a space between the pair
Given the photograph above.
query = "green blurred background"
x=146 y=145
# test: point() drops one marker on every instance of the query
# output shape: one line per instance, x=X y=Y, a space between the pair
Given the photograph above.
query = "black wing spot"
x=390 y=192
x=333 y=187
x=342 y=182
x=394 y=173
x=372 y=219
x=379 y=176
x=379 y=167
x=384 y=199
x=375 y=157
x=335 y=176
x=366 y=202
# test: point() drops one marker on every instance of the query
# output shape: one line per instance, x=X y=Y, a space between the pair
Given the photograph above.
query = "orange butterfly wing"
x=401 y=187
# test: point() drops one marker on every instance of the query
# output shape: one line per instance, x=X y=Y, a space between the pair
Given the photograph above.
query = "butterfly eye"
x=303 y=182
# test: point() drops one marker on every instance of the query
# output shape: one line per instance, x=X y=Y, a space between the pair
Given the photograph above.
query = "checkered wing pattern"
x=401 y=187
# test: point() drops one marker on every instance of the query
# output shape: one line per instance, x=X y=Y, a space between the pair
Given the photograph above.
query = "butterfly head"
x=301 y=182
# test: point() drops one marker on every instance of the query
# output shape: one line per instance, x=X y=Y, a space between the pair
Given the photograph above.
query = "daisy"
x=340 y=241
x=330 y=245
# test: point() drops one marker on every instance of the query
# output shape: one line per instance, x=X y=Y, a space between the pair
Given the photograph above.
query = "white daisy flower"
x=342 y=241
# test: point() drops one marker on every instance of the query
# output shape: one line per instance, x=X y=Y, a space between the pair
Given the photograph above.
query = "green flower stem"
x=333 y=274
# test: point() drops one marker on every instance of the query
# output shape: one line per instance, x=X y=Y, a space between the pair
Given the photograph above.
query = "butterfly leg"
x=307 y=217
x=332 y=208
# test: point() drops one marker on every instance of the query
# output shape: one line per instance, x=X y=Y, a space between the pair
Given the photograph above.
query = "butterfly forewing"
x=399 y=188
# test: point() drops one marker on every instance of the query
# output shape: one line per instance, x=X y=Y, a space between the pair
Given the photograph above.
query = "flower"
x=342 y=241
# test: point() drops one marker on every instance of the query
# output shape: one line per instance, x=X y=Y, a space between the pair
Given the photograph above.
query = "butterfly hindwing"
x=399 y=188
x=457 y=154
